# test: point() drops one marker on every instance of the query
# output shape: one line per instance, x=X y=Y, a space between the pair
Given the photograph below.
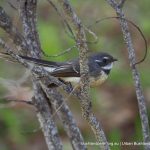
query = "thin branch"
x=61 y=53
x=85 y=101
x=93 y=34
x=12 y=5
x=66 y=24
x=28 y=18
x=134 y=25
x=64 y=21
x=18 y=101
x=135 y=73
x=10 y=52
x=7 y=25
x=121 y=3
x=45 y=118
x=83 y=52
x=65 y=116
x=27 y=9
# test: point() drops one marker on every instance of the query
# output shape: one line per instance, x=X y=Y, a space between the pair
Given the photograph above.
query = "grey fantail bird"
x=100 y=65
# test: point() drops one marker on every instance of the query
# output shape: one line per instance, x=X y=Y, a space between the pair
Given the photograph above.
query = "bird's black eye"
x=105 y=60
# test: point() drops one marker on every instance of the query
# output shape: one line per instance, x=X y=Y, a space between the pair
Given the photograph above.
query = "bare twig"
x=66 y=24
x=82 y=46
x=45 y=118
x=134 y=25
x=18 y=101
x=61 y=53
x=7 y=25
x=75 y=22
x=93 y=34
x=64 y=21
x=65 y=116
x=135 y=73
x=121 y=3
x=12 y=6
x=28 y=17
x=66 y=99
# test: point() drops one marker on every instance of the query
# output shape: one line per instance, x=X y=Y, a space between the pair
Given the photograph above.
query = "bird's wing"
x=70 y=69
x=58 y=69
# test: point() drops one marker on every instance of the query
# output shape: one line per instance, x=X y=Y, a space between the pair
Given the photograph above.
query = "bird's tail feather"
x=41 y=62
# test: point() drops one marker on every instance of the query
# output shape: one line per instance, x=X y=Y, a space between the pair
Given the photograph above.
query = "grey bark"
x=136 y=76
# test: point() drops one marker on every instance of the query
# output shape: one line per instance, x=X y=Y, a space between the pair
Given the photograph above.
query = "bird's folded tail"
x=7 y=57
x=40 y=61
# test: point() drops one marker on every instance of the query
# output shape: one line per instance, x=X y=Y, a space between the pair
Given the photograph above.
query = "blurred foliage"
x=12 y=126
x=114 y=103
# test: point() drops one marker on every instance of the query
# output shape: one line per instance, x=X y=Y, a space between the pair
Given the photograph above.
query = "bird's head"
x=103 y=61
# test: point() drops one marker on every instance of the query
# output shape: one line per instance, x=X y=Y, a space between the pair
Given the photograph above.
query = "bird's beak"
x=114 y=59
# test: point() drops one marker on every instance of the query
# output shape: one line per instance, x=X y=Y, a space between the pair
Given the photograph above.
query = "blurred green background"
x=114 y=103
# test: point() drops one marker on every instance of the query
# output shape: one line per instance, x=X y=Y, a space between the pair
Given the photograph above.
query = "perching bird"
x=100 y=65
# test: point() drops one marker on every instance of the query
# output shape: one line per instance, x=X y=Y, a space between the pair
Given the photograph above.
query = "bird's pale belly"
x=93 y=81
x=98 y=80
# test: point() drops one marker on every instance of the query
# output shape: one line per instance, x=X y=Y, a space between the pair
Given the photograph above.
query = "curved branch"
x=135 y=73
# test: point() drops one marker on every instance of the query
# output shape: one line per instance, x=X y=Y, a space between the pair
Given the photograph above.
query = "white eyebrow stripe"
x=106 y=57
x=98 y=60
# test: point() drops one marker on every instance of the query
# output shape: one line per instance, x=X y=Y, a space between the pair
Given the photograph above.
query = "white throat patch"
x=108 y=67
